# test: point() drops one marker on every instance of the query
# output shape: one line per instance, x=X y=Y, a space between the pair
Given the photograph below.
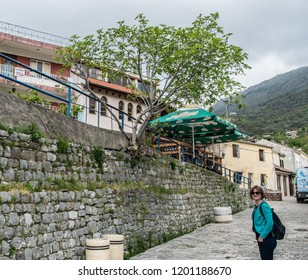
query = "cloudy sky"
x=273 y=32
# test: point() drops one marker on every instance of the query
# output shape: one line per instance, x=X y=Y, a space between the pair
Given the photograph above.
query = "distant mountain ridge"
x=275 y=105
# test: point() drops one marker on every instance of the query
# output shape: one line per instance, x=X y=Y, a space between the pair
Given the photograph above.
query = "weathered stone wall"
x=54 y=194
x=55 y=225
x=149 y=199
x=16 y=112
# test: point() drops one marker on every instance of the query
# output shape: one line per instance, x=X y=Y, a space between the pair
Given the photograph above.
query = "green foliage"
x=29 y=187
x=139 y=246
x=173 y=164
x=301 y=142
x=194 y=64
x=62 y=145
x=6 y=128
x=98 y=155
x=12 y=250
x=33 y=96
x=134 y=160
x=22 y=187
x=34 y=132
x=75 y=109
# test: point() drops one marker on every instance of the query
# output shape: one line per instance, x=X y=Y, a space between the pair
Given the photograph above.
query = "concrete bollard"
x=97 y=249
x=116 y=246
x=222 y=214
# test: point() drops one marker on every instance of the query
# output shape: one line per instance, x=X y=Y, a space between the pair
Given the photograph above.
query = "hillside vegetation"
x=274 y=107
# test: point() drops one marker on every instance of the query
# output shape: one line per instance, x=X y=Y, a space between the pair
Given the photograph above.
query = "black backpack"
x=279 y=230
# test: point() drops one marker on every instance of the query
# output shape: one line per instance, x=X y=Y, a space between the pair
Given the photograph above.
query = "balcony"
x=32 y=34
x=29 y=77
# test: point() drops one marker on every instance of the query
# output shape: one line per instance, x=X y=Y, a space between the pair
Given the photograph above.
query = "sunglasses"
x=253 y=193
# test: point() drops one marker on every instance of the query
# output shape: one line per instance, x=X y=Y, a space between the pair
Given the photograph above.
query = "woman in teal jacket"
x=263 y=224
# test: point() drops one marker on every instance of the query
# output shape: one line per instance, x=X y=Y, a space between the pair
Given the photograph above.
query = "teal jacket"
x=262 y=224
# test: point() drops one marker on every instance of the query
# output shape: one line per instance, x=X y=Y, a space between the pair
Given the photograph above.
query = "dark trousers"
x=267 y=247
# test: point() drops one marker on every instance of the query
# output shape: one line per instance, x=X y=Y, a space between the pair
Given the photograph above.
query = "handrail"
x=202 y=160
x=69 y=87
x=32 y=34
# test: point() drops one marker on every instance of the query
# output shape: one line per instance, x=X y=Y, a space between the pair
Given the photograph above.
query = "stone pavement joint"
x=236 y=241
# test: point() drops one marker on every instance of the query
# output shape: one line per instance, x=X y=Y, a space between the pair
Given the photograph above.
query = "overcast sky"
x=273 y=32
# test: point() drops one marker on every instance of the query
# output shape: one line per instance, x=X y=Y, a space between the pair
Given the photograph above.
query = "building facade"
x=37 y=49
x=286 y=161
x=251 y=160
x=33 y=49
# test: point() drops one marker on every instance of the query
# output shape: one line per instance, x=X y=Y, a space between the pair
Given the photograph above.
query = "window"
x=262 y=179
x=281 y=163
x=121 y=108
x=40 y=66
x=103 y=107
x=7 y=68
x=139 y=109
x=261 y=155
x=130 y=111
x=237 y=177
x=124 y=82
x=145 y=86
x=279 y=183
x=93 y=73
x=250 y=176
x=236 y=150
x=92 y=106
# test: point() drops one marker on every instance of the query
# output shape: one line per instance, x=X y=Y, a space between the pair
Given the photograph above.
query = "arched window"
x=139 y=109
x=130 y=111
x=121 y=108
x=103 y=107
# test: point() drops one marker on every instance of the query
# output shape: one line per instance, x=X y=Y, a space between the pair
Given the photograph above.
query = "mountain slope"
x=273 y=106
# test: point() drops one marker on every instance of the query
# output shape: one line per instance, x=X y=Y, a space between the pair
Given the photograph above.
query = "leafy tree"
x=194 y=64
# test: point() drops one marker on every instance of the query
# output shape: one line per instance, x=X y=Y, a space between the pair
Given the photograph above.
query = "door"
x=291 y=186
x=285 y=191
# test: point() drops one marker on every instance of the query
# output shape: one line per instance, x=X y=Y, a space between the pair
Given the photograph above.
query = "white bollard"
x=222 y=214
x=97 y=249
x=116 y=246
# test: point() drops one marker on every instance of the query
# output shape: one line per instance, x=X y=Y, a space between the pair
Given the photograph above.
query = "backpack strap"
x=261 y=208
x=263 y=214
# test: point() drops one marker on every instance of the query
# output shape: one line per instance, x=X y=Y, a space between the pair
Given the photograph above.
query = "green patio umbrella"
x=223 y=138
x=196 y=125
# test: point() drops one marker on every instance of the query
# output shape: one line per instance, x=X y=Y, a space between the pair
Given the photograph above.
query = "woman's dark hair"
x=259 y=189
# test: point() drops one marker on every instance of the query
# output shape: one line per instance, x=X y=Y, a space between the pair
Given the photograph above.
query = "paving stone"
x=236 y=241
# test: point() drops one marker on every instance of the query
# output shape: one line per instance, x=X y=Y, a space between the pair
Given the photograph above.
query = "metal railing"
x=68 y=99
x=32 y=34
x=27 y=76
x=184 y=153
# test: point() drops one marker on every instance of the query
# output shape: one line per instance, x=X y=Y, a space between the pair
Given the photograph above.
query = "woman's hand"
x=260 y=239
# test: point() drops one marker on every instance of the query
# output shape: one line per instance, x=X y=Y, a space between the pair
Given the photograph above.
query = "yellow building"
x=251 y=160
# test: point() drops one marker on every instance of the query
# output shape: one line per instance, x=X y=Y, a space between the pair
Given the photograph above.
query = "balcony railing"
x=184 y=153
x=9 y=75
x=30 y=77
x=33 y=34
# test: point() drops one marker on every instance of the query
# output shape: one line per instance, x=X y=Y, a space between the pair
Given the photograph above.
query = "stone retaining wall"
x=55 y=225
x=55 y=199
x=78 y=182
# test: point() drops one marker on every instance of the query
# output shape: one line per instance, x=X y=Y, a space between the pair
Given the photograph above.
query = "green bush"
x=62 y=145
x=98 y=155
x=34 y=132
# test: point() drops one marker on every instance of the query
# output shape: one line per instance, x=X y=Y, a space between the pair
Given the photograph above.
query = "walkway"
x=235 y=240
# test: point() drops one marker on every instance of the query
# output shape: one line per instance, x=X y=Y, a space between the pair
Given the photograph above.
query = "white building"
x=37 y=49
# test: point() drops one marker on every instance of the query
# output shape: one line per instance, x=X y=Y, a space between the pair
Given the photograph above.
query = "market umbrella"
x=223 y=138
x=191 y=124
